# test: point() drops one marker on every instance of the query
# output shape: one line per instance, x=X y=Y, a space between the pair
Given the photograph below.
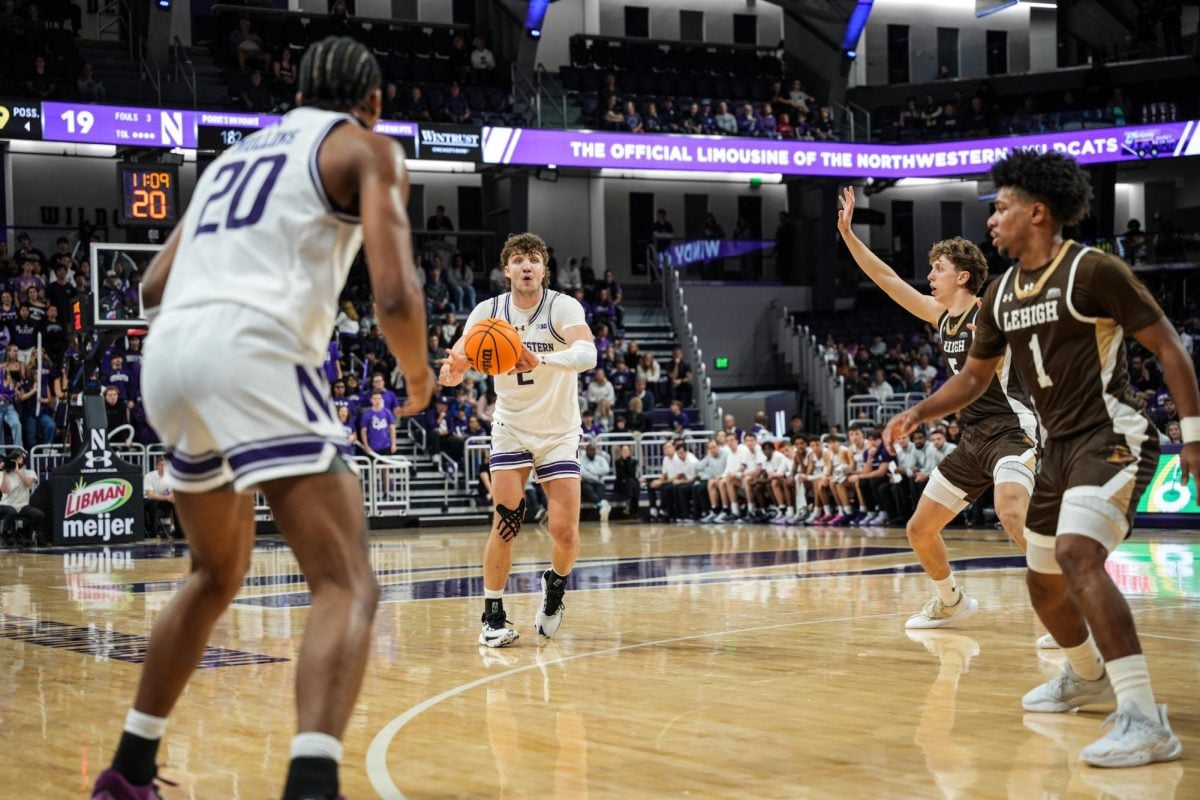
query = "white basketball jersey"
x=261 y=232
x=546 y=400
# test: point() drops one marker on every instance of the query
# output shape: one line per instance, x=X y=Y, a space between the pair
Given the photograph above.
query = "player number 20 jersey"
x=261 y=232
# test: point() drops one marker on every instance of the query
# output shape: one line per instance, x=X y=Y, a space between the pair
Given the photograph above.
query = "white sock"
x=733 y=508
x=791 y=512
x=144 y=725
x=493 y=594
x=316 y=745
x=1131 y=681
x=753 y=508
x=829 y=510
x=947 y=590
x=1088 y=663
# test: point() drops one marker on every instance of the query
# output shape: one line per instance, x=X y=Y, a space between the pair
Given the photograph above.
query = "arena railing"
x=677 y=310
x=386 y=480
x=803 y=358
x=880 y=412
x=647 y=449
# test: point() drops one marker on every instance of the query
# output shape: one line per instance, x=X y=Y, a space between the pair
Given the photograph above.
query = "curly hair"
x=527 y=244
x=1054 y=179
x=965 y=256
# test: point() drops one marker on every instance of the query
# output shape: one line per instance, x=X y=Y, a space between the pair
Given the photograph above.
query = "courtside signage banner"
x=96 y=497
x=826 y=159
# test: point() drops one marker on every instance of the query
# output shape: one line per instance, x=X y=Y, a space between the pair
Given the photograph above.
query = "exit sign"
x=721 y=362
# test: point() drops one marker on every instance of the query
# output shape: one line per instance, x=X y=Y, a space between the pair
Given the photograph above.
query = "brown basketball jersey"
x=1005 y=397
x=1065 y=325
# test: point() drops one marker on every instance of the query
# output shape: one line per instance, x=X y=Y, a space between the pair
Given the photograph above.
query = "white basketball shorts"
x=552 y=456
x=231 y=403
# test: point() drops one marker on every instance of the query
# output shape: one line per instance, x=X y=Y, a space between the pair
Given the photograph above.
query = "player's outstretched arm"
x=387 y=237
x=1161 y=339
x=967 y=386
x=155 y=282
x=919 y=305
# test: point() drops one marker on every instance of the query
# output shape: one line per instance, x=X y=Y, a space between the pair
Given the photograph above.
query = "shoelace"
x=1122 y=721
x=496 y=621
x=554 y=599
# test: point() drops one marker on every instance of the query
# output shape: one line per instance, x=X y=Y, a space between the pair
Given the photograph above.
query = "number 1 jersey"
x=261 y=232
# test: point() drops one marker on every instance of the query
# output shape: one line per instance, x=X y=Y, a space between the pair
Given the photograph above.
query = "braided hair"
x=337 y=74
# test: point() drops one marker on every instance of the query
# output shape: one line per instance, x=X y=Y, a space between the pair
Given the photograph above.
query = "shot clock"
x=149 y=195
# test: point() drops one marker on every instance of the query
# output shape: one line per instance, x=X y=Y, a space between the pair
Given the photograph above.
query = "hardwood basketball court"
x=694 y=661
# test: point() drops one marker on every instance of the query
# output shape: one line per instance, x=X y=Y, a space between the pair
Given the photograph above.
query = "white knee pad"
x=1086 y=512
x=1039 y=553
x=1013 y=469
x=944 y=492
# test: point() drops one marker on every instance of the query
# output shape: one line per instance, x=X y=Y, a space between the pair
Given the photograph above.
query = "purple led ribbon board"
x=157 y=127
x=826 y=159
x=119 y=125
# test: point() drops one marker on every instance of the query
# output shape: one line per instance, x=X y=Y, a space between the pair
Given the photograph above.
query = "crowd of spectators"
x=681 y=87
x=789 y=112
x=1096 y=103
x=431 y=74
x=36 y=290
x=39 y=57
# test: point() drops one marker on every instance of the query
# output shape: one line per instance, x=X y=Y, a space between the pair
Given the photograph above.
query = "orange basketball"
x=493 y=346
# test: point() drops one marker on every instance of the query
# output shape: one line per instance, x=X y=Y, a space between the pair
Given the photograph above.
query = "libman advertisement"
x=97 y=499
x=1167 y=494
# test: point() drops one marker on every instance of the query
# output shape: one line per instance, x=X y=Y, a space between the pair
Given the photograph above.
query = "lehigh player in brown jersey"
x=1064 y=312
x=998 y=430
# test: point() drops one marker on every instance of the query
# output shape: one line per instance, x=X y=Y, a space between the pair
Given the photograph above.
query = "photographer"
x=16 y=485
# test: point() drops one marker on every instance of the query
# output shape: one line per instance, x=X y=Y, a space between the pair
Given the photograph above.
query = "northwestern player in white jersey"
x=243 y=297
x=999 y=439
x=536 y=427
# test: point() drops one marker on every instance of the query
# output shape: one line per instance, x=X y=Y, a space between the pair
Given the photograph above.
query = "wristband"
x=1190 y=428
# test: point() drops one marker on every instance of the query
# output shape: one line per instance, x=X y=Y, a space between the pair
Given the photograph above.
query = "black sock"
x=311 y=779
x=135 y=758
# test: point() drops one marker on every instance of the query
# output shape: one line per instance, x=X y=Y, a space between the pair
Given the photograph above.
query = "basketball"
x=493 y=346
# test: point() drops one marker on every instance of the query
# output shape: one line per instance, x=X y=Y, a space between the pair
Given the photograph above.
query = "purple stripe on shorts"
x=560 y=469
x=193 y=466
x=507 y=459
x=259 y=456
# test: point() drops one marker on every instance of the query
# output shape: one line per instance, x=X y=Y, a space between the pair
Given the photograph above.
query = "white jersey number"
x=1044 y=380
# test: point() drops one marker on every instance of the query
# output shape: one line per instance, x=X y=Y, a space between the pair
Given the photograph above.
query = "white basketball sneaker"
x=937 y=614
x=1047 y=643
x=1133 y=740
x=497 y=630
x=550 y=612
x=1067 y=691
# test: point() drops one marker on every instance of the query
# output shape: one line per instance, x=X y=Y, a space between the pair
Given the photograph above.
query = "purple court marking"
x=112 y=645
x=634 y=573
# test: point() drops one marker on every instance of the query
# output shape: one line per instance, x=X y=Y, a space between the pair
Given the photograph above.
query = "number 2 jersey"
x=545 y=400
x=261 y=232
x=1065 y=324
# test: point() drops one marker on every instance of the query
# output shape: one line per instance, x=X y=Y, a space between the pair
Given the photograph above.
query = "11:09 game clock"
x=149 y=195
